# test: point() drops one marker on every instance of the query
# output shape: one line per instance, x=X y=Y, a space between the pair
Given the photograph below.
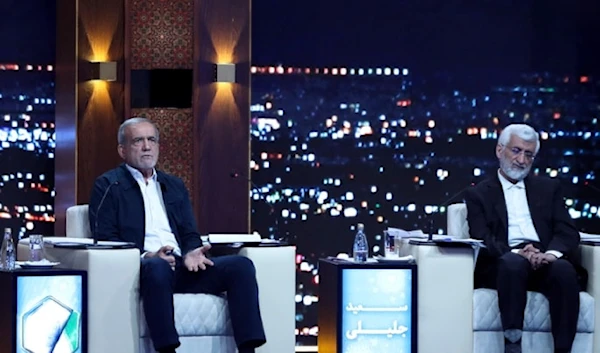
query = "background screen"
x=49 y=314
x=377 y=311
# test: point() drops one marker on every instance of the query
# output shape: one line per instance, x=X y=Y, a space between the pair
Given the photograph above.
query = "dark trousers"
x=512 y=275
x=234 y=275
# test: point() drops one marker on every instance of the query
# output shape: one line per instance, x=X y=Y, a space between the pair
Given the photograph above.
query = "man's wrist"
x=555 y=253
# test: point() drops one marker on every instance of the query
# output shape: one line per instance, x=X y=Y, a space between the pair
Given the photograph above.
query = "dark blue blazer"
x=121 y=216
x=488 y=217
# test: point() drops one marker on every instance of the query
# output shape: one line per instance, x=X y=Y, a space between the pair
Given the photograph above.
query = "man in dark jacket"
x=136 y=203
x=531 y=240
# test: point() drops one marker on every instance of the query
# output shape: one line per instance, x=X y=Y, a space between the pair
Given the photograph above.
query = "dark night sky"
x=437 y=35
x=27 y=21
x=448 y=35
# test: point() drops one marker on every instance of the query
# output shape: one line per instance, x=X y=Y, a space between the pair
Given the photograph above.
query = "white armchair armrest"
x=590 y=260
x=445 y=297
x=276 y=278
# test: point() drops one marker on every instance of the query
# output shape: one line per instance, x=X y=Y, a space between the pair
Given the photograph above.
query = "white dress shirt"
x=158 y=230
x=520 y=224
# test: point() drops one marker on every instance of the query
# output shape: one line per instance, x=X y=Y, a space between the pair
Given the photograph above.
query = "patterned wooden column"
x=162 y=38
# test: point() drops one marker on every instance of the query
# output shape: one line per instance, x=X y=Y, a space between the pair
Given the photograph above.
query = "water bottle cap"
x=361 y=226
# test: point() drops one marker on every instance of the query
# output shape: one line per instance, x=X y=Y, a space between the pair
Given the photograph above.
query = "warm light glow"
x=223 y=104
x=223 y=85
x=99 y=85
x=99 y=106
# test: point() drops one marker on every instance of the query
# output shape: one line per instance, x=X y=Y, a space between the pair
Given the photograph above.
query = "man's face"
x=140 y=149
x=516 y=158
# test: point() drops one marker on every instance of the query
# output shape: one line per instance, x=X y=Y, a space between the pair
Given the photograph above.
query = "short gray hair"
x=133 y=121
x=523 y=131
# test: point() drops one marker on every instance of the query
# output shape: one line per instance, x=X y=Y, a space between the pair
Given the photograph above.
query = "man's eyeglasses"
x=139 y=141
x=516 y=151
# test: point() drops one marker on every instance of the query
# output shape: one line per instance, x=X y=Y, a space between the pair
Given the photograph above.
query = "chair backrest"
x=457 y=221
x=78 y=223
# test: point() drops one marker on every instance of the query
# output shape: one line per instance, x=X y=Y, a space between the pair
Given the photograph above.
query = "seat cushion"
x=197 y=315
x=486 y=315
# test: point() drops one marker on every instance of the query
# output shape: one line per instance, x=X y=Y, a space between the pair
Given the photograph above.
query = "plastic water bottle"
x=8 y=255
x=361 y=247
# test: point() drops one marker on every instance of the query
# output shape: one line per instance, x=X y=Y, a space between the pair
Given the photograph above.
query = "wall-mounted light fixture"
x=225 y=73
x=103 y=70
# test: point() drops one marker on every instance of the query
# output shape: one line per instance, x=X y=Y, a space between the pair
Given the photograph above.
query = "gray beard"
x=517 y=174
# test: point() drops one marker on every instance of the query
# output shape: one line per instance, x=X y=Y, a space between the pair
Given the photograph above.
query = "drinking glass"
x=390 y=246
x=36 y=247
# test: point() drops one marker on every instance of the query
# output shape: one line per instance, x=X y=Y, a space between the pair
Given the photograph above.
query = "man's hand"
x=164 y=253
x=528 y=251
x=540 y=259
x=196 y=259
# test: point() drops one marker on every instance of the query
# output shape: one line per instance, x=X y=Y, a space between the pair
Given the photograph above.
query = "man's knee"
x=156 y=270
x=513 y=263
x=562 y=271
x=241 y=265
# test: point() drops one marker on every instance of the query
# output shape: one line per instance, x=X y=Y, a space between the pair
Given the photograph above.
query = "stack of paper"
x=589 y=237
x=401 y=233
x=233 y=238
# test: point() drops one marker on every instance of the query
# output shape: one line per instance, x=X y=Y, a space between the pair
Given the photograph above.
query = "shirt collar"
x=138 y=176
x=507 y=185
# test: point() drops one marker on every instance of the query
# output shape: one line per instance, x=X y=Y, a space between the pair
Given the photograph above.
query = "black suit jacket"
x=488 y=219
x=122 y=216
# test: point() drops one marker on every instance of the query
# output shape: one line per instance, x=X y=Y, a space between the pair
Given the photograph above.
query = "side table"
x=367 y=307
x=43 y=310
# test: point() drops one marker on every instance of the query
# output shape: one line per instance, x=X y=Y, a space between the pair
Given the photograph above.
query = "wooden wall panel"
x=66 y=111
x=221 y=116
x=87 y=113
x=100 y=107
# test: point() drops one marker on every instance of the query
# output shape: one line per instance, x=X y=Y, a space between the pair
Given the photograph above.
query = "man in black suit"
x=532 y=243
x=152 y=209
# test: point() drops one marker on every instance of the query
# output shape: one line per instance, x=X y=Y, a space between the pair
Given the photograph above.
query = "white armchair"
x=115 y=318
x=486 y=328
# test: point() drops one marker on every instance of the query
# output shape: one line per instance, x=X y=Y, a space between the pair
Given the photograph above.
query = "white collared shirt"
x=520 y=223
x=158 y=230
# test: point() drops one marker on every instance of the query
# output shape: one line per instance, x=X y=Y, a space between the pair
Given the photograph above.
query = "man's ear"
x=499 y=148
x=120 y=151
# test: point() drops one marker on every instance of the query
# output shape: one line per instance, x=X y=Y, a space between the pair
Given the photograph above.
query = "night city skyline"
x=472 y=67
